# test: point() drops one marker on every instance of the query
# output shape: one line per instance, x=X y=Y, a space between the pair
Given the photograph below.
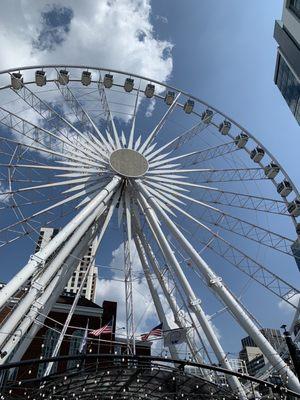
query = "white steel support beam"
x=224 y=294
x=41 y=317
x=178 y=317
x=155 y=296
x=194 y=302
x=39 y=284
x=130 y=325
x=45 y=302
x=74 y=305
x=38 y=259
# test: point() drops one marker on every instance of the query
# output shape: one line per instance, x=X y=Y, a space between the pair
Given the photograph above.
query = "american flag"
x=156 y=331
x=104 y=329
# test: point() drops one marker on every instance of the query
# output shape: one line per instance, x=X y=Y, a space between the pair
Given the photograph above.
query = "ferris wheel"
x=210 y=212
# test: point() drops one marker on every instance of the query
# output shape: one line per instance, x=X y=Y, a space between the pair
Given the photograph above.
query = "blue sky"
x=221 y=51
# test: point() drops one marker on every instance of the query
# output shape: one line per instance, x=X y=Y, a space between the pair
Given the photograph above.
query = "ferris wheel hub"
x=128 y=163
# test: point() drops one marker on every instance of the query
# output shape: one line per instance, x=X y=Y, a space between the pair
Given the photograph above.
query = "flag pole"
x=111 y=334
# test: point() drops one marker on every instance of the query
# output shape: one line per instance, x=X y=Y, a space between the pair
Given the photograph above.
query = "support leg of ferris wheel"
x=39 y=284
x=193 y=300
x=159 y=309
x=178 y=318
x=58 y=289
x=130 y=325
x=218 y=287
x=78 y=294
x=155 y=296
x=47 y=299
x=38 y=260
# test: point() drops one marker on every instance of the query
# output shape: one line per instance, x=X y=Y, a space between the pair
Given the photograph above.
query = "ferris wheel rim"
x=191 y=96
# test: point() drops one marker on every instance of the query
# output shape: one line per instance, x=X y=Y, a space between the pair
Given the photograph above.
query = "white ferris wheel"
x=210 y=210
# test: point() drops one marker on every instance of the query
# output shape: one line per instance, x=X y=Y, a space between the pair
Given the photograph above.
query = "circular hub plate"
x=129 y=163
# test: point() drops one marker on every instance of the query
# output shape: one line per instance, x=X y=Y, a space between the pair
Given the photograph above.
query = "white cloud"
x=4 y=198
x=115 y=34
x=286 y=307
x=145 y=314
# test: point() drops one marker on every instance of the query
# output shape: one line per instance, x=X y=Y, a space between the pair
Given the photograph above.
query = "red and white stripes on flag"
x=104 y=329
x=156 y=331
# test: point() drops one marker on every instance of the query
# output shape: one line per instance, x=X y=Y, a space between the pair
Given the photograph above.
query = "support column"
x=219 y=288
x=194 y=302
x=39 y=284
x=38 y=259
x=154 y=294
x=45 y=302
x=179 y=320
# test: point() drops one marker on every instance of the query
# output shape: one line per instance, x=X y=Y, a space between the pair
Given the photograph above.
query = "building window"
x=50 y=340
x=294 y=6
x=289 y=87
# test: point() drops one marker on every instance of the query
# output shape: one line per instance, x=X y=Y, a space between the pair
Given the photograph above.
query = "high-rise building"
x=89 y=287
x=253 y=356
x=287 y=71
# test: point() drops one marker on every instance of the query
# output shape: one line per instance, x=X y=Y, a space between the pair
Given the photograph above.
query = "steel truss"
x=71 y=166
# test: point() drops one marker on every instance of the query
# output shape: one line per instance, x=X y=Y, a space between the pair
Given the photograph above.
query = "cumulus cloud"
x=4 y=198
x=287 y=308
x=113 y=289
x=115 y=34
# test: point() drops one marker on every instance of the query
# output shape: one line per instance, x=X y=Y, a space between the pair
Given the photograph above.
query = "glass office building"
x=287 y=71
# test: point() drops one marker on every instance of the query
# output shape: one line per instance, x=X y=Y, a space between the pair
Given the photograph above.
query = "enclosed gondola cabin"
x=128 y=85
x=206 y=116
x=271 y=170
x=241 y=140
x=63 y=77
x=257 y=154
x=224 y=127
x=108 y=81
x=86 y=78
x=40 y=78
x=294 y=208
x=169 y=98
x=284 y=188
x=188 y=106
x=149 y=90
x=16 y=80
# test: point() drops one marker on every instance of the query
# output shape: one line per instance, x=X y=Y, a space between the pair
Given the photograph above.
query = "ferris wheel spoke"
x=34 y=133
x=246 y=264
x=132 y=130
x=77 y=108
x=108 y=113
x=50 y=208
x=216 y=217
x=49 y=115
x=199 y=156
x=41 y=147
x=194 y=302
x=53 y=184
x=228 y=198
x=74 y=169
x=178 y=141
x=208 y=175
x=168 y=290
x=159 y=126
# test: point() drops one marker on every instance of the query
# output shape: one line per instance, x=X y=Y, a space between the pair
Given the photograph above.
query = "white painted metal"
x=163 y=175
x=46 y=299
x=237 y=311
x=38 y=259
x=39 y=283
x=78 y=294
x=130 y=323
x=194 y=302
x=178 y=317
x=155 y=296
